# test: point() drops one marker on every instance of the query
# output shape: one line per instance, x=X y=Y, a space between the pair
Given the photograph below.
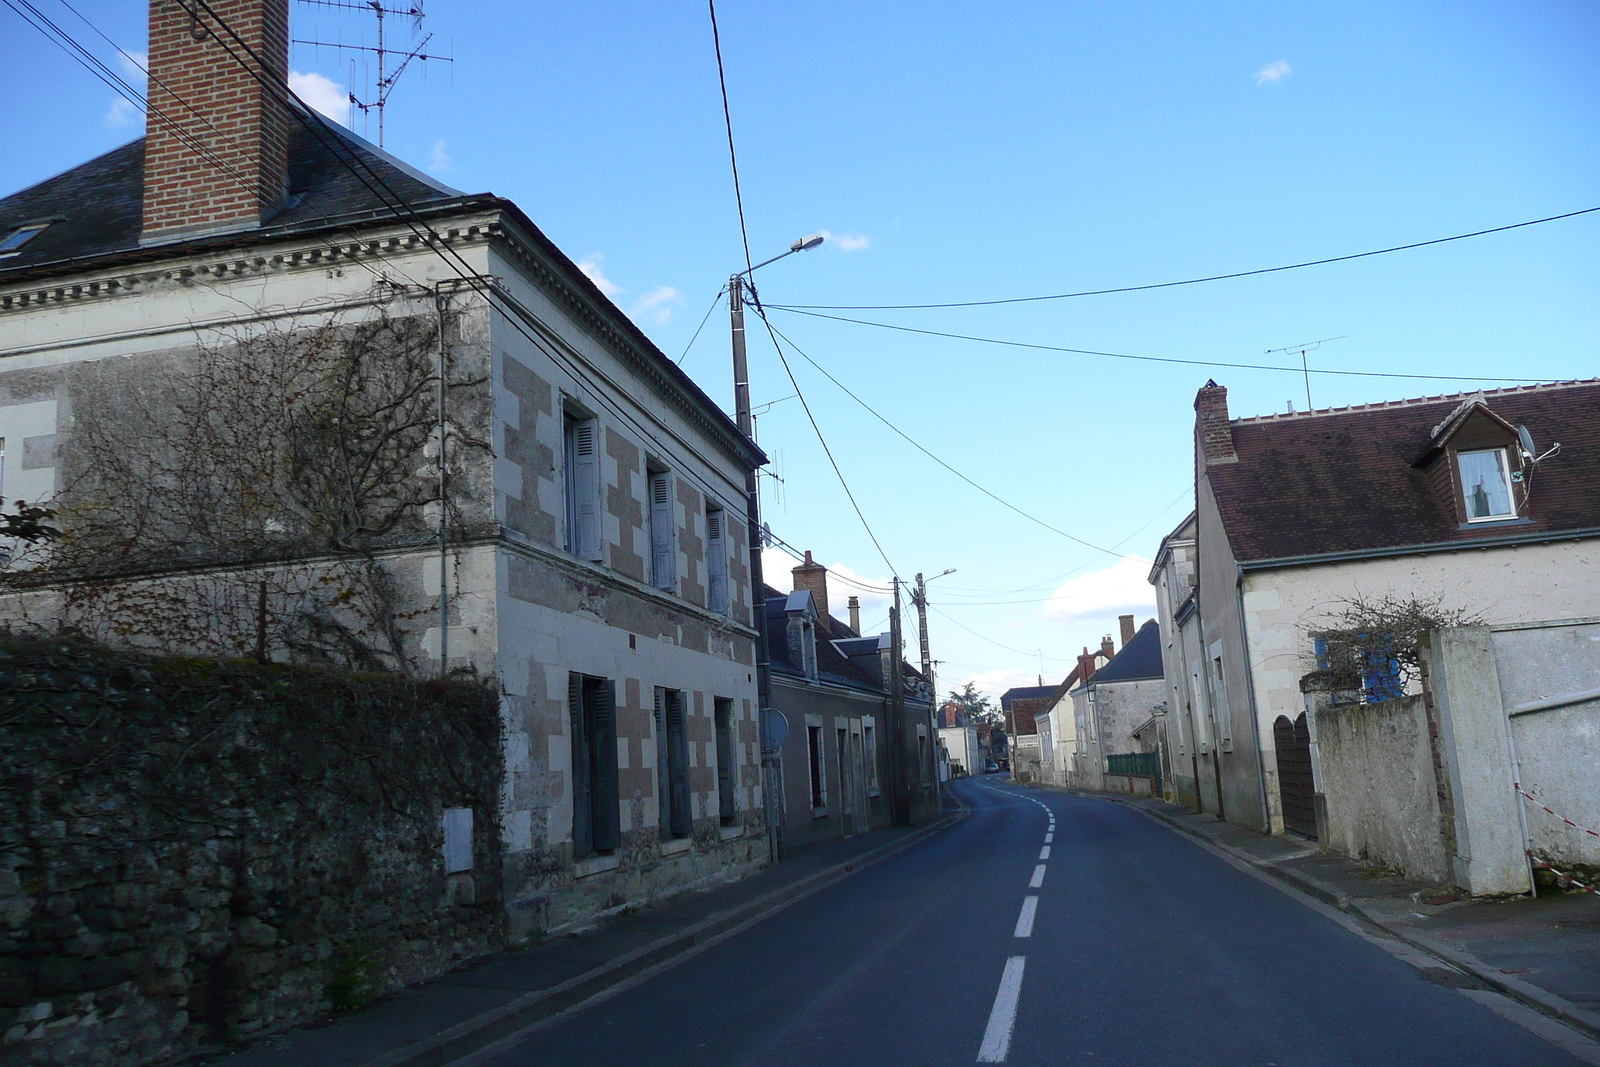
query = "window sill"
x=731 y=832
x=1495 y=524
x=596 y=865
x=676 y=845
x=819 y=813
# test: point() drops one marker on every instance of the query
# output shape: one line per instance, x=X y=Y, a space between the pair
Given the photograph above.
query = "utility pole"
x=900 y=810
x=920 y=599
x=771 y=780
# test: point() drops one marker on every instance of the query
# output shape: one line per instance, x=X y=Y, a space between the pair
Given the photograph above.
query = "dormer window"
x=1486 y=485
x=13 y=241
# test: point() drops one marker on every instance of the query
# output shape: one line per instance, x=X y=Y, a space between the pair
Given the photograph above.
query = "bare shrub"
x=1372 y=644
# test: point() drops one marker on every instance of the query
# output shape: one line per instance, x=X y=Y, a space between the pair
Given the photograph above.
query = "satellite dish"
x=1526 y=438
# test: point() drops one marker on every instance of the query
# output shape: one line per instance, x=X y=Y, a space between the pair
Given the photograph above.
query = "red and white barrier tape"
x=1562 y=876
x=1563 y=818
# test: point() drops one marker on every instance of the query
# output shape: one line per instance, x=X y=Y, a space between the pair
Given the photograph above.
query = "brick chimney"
x=1127 y=628
x=1085 y=666
x=814 y=576
x=1107 y=646
x=854 y=605
x=1213 y=435
x=226 y=165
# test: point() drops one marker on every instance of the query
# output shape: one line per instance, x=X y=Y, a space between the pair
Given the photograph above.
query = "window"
x=663 y=546
x=717 y=560
x=12 y=242
x=922 y=755
x=582 y=456
x=672 y=764
x=819 y=797
x=457 y=840
x=1486 y=485
x=596 y=811
x=869 y=746
x=727 y=807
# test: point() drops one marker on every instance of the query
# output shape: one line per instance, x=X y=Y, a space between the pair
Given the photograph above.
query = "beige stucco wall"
x=1283 y=608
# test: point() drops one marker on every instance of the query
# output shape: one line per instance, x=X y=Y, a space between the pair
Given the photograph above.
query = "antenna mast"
x=1303 y=347
x=386 y=78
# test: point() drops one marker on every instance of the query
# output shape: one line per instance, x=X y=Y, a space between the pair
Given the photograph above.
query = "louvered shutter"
x=582 y=811
x=663 y=767
x=716 y=561
x=663 y=561
x=586 y=487
x=678 y=739
x=603 y=748
x=725 y=799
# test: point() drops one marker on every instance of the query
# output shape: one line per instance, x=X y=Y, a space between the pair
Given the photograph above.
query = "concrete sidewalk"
x=440 y=1021
x=1544 y=952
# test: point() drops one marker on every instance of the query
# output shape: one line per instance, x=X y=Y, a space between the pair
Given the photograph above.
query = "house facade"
x=1461 y=504
x=555 y=507
x=1110 y=704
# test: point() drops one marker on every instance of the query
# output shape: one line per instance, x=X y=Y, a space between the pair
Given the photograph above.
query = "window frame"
x=594 y=777
x=30 y=229
x=581 y=484
x=718 y=598
x=869 y=753
x=674 y=817
x=722 y=725
x=661 y=528
x=1503 y=466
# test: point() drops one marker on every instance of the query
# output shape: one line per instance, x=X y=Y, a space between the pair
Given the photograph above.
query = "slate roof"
x=1025 y=692
x=1343 y=480
x=832 y=665
x=1139 y=659
x=99 y=203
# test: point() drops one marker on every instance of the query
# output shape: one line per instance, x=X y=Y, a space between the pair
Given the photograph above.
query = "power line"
x=871 y=411
x=1186 y=281
x=992 y=641
x=800 y=393
x=1151 y=359
x=727 y=118
x=702 y=325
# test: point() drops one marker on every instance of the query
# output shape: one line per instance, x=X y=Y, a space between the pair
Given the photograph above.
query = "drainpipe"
x=1255 y=715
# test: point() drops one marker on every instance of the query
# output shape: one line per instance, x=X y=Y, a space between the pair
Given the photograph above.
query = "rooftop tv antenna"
x=386 y=78
x=1303 y=347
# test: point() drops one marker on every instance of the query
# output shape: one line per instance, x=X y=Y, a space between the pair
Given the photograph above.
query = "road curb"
x=467 y=1037
x=1527 y=993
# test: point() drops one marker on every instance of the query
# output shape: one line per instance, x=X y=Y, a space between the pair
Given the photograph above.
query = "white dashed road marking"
x=1025 y=921
x=1038 y=877
x=1049 y=837
x=1044 y=853
x=997 y=1035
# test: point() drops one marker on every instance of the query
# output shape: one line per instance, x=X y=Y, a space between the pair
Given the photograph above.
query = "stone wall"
x=1379 y=782
x=196 y=851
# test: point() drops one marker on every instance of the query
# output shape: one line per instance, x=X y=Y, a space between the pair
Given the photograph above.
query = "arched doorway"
x=1295 y=786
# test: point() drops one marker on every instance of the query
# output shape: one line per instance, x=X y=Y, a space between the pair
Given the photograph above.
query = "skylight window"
x=1486 y=485
x=12 y=242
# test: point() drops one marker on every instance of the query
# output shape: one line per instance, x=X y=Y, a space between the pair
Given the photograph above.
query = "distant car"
x=992 y=767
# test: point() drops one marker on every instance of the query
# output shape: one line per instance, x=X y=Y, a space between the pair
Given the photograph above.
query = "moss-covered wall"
x=195 y=851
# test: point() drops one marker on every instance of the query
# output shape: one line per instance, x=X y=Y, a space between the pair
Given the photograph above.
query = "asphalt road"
x=1144 y=948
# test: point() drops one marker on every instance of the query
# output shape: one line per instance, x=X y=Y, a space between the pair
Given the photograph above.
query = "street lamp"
x=741 y=408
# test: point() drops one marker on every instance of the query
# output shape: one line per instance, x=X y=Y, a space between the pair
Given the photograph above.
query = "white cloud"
x=1119 y=589
x=1274 y=73
x=123 y=112
x=847 y=242
x=134 y=65
x=591 y=267
x=440 y=160
x=656 y=305
x=777 y=568
x=322 y=94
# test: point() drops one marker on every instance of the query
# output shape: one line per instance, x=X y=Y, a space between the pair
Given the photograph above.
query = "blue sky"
x=979 y=151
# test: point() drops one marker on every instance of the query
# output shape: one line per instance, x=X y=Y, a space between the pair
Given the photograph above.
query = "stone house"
x=1110 y=703
x=1463 y=501
x=555 y=506
x=846 y=746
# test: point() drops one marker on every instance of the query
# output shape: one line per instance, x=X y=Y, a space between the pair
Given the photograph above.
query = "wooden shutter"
x=663 y=766
x=716 y=561
x=663 y=560
x=586 y=487
x=678 y=753
x=723 y=711
x=582 y=809
x=606 y=805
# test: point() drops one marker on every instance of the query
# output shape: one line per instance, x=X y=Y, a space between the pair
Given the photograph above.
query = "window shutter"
x=725 y=799
x=663 y=561
x=663 y=767
x=582 y=811
x=586 y=487
x=603 y=746
x=678 y=739
x=716 y=562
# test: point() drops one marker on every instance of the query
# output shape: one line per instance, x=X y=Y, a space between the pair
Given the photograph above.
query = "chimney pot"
x=854 y=604
x=1107 y=646
x=1127 y=628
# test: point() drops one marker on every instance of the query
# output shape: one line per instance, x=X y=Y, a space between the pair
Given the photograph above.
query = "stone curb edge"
x=1526 y=992
x=483 y=1029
